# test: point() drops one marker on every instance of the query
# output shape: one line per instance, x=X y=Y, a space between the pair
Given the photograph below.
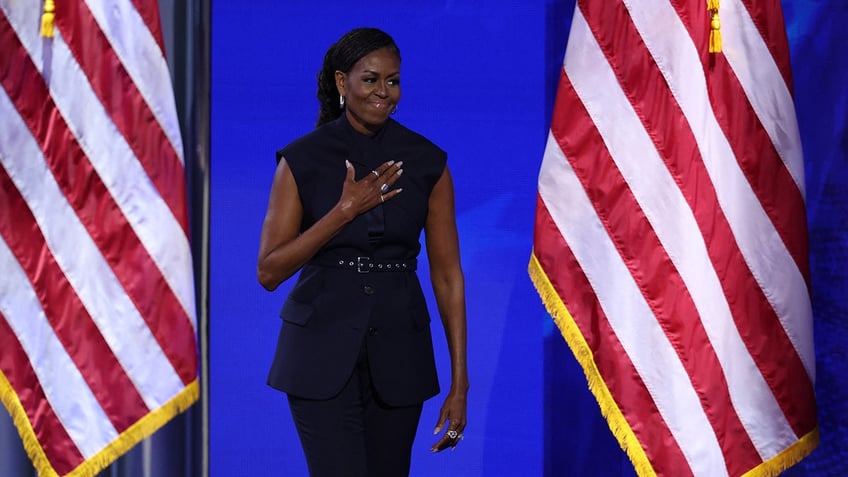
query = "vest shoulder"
x=326 y=136
x=414 y=139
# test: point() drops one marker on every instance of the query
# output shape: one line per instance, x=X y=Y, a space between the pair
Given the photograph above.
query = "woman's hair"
x=341 y=56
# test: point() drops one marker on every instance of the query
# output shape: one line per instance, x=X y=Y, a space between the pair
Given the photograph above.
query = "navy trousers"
x=354 y=434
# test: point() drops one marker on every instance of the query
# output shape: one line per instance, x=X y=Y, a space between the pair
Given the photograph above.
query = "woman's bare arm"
x=282 y=250
x=449 y=288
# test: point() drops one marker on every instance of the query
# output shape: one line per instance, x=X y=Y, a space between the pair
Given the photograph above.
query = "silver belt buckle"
x=363 y=264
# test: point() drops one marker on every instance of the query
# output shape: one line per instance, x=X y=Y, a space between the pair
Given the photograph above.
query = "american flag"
x=670 y=238
x=97 y=312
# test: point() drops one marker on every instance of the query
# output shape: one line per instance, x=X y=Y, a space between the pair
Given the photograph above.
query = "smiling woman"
x=355 y=354
x=371 y=90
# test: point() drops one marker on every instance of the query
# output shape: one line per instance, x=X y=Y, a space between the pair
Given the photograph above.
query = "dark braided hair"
x=341 y=56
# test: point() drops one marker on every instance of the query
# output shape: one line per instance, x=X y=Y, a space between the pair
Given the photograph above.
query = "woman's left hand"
x=451 y=417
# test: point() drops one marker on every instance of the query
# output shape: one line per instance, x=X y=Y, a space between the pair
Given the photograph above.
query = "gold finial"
x=47 y=19
x=715 y=26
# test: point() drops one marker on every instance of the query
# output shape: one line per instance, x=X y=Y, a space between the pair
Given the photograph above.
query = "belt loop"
x=363 y=264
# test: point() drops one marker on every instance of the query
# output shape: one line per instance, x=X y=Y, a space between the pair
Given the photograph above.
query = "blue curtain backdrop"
x=479 y=80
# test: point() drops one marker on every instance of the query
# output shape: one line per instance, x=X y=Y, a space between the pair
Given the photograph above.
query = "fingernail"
x=400 y=163
x=400 y=171
x=438 y=429
x=347 y=163
x=399 y=190
x=391 y=162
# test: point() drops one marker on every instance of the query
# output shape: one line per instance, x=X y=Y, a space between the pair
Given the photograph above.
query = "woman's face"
x=371 y=90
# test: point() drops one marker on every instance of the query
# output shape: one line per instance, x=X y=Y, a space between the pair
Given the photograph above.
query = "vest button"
x=368 y=290
x=373 y=331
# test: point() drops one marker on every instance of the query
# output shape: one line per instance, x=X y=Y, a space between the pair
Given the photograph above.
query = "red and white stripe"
x=670 y=241
x=97 y=311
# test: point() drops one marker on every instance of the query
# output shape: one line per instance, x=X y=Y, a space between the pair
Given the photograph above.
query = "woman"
x=347 y=206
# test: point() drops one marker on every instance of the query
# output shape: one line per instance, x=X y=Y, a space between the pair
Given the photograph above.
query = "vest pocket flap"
x=296 y=312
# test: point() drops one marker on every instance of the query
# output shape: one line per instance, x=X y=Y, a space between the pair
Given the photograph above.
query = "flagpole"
x=189 y=44
x=199 y=23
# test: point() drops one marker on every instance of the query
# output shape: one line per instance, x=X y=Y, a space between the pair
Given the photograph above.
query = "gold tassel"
x=715 y=34
x=47 y=19
x=715 y=26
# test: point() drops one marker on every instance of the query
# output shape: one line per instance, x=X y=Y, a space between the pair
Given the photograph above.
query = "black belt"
x=367 y=264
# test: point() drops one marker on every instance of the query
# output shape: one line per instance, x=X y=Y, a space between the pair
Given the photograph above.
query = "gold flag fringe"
x=124 y=442
x=609 y=409
x=21 y=421
x=788 y=457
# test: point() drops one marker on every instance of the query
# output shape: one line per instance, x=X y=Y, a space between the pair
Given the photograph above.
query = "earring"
x=341 y=102
x=394 y=110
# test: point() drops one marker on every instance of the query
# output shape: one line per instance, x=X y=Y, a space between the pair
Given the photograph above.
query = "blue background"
x=479 y=80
